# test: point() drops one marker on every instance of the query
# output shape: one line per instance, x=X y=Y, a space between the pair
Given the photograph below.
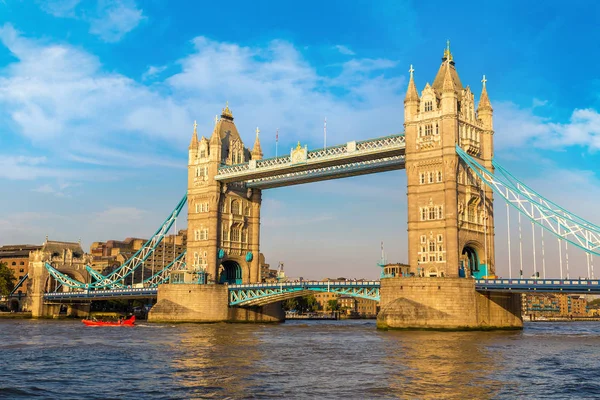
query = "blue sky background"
x=97 y=101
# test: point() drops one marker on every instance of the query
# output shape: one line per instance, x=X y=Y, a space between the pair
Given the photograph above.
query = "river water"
x=297 y=359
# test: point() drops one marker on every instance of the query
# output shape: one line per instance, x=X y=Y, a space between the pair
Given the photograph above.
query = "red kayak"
x=124 y=322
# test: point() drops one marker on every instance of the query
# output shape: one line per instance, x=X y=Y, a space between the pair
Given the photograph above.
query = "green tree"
x=7 y=279
x=333 y=305
x=290 y=304
x=311 y=303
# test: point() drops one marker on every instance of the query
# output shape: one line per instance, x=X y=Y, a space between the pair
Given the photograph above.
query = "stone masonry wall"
x=445 y=303
x=206 y=303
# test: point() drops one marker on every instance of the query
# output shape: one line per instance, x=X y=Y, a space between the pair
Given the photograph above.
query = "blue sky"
x=97 y=102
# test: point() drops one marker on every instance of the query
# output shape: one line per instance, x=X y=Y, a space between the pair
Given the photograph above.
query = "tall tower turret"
x=223 y=219
x=411 y=101
x=450 y=216
x=257 y=153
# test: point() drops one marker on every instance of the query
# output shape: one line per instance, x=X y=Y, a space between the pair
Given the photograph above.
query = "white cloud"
x=153 y=71
x=516 y=127
x=110 y=19
x=60 y=8
x=61 y=99
x=344 y=50
x=115 y=19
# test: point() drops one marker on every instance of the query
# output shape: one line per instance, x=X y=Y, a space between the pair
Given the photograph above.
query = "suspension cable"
x=567 y=258
x=587 y=255
x=520 y=247
x=533 y=245
x=485 y=249
x=508 y=236
x=592 y=263
x=174 y=237
x=560 y=253
x=543 y=255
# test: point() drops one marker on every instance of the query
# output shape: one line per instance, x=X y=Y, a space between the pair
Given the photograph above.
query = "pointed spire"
x=411 y=92
x=484 y=100
x=227 y=112
x=257 y=153
x=447 y=53
x=194 y=142
x=448 y=84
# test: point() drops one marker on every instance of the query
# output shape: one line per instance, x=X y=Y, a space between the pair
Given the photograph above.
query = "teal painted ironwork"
x=115 y=278
x=19 y=284
x=129 y=266
x=66 y=280
x=164 y=274
x=265 y=293
x=98 y=276
x=556 y=220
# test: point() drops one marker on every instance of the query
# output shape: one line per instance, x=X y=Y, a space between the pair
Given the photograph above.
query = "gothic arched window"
x=235 y=207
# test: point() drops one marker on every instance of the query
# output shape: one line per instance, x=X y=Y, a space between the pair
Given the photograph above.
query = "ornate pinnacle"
x=227 y=112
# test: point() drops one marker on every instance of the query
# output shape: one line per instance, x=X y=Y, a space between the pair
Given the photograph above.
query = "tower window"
x=204 y=234
x=439 y=176
x=428 y=130
x=202 y=153
x=430 y=176
x=423 y=239
x=422 y=178
x=235 y=235
x=432 y=246
x=432 y=212
x=437 y=129
x=440 y=238
x=428 y=105
x=423 y=218
x=235 y=208
x=225 y=233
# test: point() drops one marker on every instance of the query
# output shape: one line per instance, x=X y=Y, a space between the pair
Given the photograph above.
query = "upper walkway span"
x=303 y=166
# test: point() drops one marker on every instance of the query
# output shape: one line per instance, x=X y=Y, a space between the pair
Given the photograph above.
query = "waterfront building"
x=109 y=255
x=555 y=305
x=16 y=257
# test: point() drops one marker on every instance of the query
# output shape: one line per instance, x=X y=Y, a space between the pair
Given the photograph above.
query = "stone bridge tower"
x=69 y=259
x=450 y=211
x=223 y=219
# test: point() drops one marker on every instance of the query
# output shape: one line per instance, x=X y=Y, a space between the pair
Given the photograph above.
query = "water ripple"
x=303 y=359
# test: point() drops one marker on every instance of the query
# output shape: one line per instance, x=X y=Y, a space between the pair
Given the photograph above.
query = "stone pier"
x=207 y=303
x=445 y=304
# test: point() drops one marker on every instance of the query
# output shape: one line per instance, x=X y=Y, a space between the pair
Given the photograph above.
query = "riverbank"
x=15 y=315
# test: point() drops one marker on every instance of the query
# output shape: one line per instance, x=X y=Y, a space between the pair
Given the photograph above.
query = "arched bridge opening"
x=267 y=293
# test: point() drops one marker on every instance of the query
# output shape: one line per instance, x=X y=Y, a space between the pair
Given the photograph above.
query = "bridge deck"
x=258 y=293
x=353 y=158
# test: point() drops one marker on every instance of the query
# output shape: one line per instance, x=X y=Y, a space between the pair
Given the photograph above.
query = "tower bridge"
x=447 y=151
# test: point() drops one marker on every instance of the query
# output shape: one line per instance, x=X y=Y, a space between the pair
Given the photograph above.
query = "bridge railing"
x=272 y=285
x=347 y=149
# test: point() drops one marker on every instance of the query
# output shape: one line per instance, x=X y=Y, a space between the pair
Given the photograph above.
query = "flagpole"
x=276 y=141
